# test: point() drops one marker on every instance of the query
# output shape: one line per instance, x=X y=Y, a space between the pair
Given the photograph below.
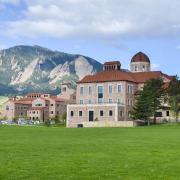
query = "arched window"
x=136 y=68
x=143 y=68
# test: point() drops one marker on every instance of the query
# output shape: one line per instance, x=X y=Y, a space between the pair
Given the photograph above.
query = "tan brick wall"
x=73 y=121
x=140 y=66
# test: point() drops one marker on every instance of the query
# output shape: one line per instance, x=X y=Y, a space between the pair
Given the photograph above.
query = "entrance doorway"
x=91 y=115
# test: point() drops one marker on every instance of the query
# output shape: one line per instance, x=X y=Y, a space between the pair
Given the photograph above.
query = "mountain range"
x=26 y=69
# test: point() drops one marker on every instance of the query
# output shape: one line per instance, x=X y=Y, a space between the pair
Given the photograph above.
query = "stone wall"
x=109 y=124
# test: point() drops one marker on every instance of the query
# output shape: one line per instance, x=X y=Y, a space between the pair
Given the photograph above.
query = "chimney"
x=112 y=66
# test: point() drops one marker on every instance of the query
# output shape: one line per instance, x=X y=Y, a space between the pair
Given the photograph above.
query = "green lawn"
x=80 y=154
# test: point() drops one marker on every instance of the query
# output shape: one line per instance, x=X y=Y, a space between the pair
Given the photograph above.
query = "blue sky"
x=101 y=29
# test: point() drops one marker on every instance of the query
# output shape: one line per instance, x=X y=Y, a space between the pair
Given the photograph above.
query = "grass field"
x=80 y=154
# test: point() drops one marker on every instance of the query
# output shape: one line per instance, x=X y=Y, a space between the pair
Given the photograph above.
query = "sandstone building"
x=39 y=106
x=107 y=98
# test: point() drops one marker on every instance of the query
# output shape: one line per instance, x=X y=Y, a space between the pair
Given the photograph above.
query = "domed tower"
x=140 y=63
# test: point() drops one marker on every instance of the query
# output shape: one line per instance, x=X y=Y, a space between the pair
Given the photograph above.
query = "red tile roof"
x=55 y=98
x=37 y=108
x=140 y=57
x=112 y=63
x=23 y=102
x=142 y=77
x=115 y=75
x=107 y=76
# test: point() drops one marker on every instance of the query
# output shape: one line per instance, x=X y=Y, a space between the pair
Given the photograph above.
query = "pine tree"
x=148 y=101
x=174 y=96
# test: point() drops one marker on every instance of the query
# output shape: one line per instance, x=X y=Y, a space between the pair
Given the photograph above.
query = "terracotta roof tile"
x=55 y=98
x=23 y=102
x=106 y=76
x=115 y=75
x=37 y=108
x=112 y=63
x=140 y=57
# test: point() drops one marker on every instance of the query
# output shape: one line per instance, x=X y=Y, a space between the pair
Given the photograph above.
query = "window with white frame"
x=81 y=91
x=120 y=100
x=100 y=94
x=143 y=68
x=90 y=90
x=136 y=68
x=119 y=88
x=81 y=101
x=130 y=89
x=110 y=101
x=110 y=89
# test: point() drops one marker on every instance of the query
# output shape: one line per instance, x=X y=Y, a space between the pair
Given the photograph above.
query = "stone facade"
x=39 y=106
x=110 y=95
x=140 y=66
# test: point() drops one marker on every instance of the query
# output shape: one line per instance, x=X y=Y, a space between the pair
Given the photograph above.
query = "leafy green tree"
x=57 y=119
x=174 y=96
x=63 y=117
x=149 y=100
x=15 y=119
x=48 y=122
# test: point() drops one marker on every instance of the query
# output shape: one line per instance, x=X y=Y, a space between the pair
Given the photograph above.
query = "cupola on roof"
x=140 y=57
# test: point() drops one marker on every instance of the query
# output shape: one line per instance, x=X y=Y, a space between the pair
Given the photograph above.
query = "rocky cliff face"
x=34 y=68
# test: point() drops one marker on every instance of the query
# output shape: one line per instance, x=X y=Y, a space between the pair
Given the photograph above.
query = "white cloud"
x=125 y=18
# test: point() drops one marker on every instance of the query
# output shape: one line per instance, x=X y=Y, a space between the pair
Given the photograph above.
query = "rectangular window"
x=81 y=90
x=136 y=68
x=72 y=113
x=90 y=90
x=130 y=89
x=90 y=102
x=52 y=112
x=121 y=113
x=119 y=88
x=38 y=104
x=131 y=102
x=110 y=101
x=167 y=113
x=158 y=114
x=52 y=104
x=81 y=101
x=101 y=113
x=110 y=113
x=64 y=89
x=100 y=94
x=80 y=113
x=110 y=89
